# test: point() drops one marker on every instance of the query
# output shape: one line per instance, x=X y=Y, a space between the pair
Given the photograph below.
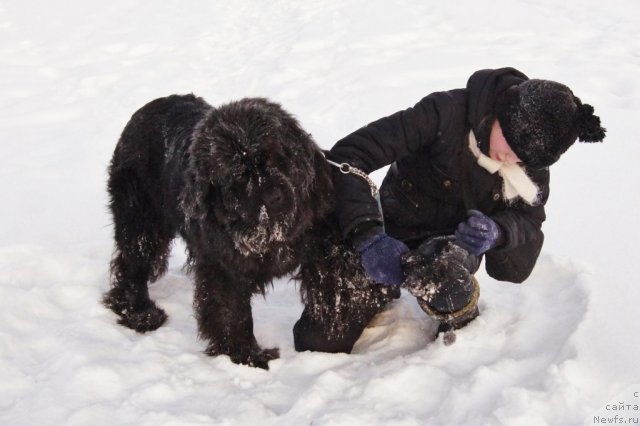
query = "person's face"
x=499 y=149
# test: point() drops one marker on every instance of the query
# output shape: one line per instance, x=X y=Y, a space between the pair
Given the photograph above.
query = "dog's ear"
x=203 y=179
x=216 y=205
x=201 y=199
x=193 y=201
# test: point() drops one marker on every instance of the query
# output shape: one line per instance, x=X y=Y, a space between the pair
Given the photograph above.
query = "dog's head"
x=256 y=172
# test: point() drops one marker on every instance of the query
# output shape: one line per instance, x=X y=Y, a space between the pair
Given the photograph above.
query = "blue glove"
x=381 y=258
x=478 y=234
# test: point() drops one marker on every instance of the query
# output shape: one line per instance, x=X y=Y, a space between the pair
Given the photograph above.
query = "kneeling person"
x=469 y=163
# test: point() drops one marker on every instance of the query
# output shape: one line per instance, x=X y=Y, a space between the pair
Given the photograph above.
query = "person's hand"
x=381 y=258
x=478 y=233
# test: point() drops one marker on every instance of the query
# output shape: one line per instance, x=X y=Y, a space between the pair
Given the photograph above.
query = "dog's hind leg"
x=333 y=319
x=143 y=245
x=339 y=299
x=223 y=311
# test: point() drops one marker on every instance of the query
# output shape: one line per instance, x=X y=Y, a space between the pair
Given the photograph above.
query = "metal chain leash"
x=347 y=168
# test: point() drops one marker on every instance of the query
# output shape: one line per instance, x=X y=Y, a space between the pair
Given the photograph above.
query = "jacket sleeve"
x=523 y=238
x=379 y=144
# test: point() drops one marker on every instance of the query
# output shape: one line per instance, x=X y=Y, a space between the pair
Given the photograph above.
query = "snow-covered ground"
x=553 y=351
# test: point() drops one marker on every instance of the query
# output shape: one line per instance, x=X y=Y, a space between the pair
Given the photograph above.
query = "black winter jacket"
x=434 y=179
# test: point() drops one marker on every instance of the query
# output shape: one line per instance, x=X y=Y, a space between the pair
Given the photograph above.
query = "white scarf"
x=516 y=181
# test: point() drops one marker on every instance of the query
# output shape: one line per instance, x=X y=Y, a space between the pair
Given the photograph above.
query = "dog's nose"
x=273 y=198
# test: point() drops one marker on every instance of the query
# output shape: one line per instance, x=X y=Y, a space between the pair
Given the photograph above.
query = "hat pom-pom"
x=588 y=124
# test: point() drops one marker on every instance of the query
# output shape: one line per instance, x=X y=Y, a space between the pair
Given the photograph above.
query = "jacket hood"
x=484 y=87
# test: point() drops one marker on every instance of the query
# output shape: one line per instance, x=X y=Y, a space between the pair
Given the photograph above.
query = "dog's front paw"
x=148 y=318
x=259 y=358
x=253 y=357
x=145 y=320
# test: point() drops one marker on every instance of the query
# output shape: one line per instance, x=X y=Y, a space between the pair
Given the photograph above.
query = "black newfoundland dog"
x=252 y=196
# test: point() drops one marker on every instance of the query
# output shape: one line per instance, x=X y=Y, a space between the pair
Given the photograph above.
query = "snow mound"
x=66 y=361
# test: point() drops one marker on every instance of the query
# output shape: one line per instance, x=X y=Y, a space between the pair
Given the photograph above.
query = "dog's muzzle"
x=259 y=239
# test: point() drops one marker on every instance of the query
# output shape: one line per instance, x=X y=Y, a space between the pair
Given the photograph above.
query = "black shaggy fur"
x=252 y=196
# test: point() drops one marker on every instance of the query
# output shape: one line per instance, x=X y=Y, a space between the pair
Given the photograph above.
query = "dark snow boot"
x=439 y=274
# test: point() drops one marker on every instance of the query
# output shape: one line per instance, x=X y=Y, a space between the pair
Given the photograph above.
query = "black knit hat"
x=541 y=119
